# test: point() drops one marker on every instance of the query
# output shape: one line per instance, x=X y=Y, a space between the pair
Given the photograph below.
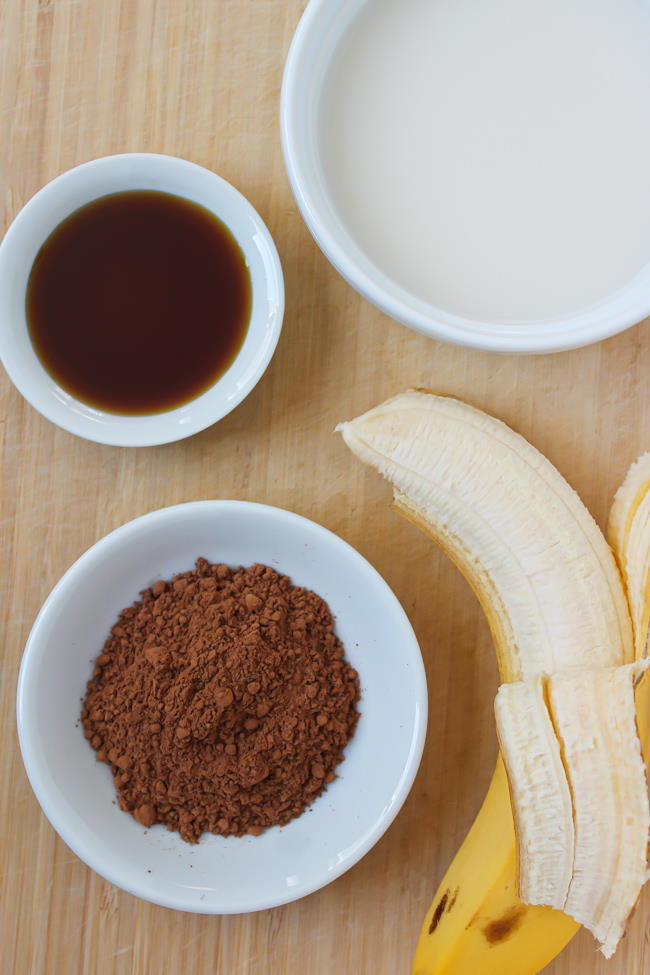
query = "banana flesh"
x=553 y=596
x=580 y=800
x=630 y=539
x=629 y=535
x=595 y=717
x=541 y=800
x=538 y=562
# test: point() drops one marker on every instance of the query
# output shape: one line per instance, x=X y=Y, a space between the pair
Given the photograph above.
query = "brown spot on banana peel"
x=444 y=903
x=451 y=903
x=496 y=932
x=439 y=911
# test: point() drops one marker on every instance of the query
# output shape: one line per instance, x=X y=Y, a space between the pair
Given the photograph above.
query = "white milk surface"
x=493 y=156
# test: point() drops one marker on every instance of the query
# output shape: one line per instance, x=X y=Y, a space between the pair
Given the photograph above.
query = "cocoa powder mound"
x=222 y=701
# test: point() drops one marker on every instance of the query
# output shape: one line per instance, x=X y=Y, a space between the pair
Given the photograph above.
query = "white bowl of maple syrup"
x=141 y=299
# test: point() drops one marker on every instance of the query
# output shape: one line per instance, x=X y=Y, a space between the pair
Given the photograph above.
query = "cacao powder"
x=222 y=701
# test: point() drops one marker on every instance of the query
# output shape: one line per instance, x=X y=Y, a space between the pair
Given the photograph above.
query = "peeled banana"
x=630 y=539
x=629 y=535
x=554 y=599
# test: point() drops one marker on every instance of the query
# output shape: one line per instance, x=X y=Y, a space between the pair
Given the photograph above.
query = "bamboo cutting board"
x=201 y=79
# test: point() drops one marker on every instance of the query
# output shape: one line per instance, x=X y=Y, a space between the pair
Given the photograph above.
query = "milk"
x=493 y=156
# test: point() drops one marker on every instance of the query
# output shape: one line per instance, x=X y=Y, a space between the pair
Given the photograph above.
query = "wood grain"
x=201 y=79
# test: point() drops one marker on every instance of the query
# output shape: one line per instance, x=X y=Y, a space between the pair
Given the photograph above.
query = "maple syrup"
x=138 y=302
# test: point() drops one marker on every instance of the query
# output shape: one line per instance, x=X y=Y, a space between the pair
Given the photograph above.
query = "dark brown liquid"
x=138 y=302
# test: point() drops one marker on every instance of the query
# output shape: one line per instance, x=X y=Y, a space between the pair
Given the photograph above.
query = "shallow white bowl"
x=219 y=875
x=319 y=33
x=113 y=174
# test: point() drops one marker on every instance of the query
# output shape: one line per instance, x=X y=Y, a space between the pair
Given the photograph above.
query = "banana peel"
x=477 y=925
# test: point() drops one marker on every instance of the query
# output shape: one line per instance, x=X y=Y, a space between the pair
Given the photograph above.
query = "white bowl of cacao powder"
x=221 y=874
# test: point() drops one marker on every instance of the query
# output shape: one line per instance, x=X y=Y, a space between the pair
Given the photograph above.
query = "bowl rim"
x=86 y=562
x=147 y=430
x=599 y=321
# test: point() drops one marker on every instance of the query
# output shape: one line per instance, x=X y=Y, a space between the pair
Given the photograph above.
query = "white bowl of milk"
x=478 y=169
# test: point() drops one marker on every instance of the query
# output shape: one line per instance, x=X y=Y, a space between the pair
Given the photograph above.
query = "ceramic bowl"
x=112 y=174
x=221 y=875
x=319 y=34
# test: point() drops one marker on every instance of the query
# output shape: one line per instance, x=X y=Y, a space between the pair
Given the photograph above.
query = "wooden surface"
x=201 y=79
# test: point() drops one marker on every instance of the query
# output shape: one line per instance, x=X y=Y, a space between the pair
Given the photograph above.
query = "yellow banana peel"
x=476 y=924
